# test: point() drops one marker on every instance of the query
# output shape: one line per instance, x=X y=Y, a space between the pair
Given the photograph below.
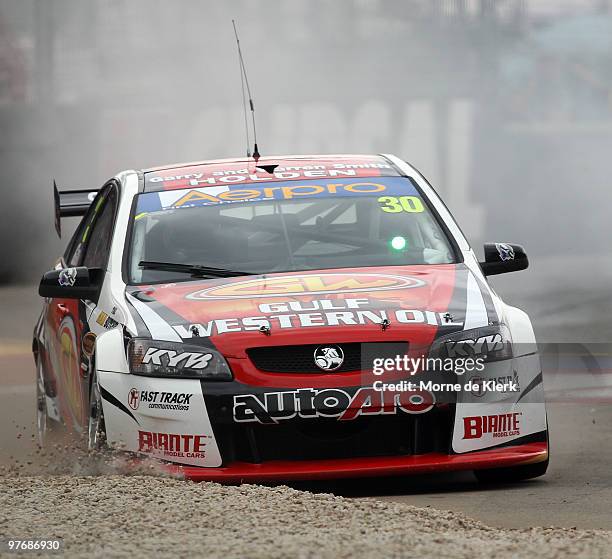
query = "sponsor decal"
x=193 y=360
x=173 y=445
x=178 y=401
x=134 y=398
x=214 y=191
x=207 y=196
x=106 y=321
x=506 y=252
x=241 y=173
x=317 y=284
x=469 y=348
x=344 y=317
x=479 y=385
x=110 y=323
x=101 y=320
x=67 y=277
x=329 y=358
x=309 y=403
x=499 y=425
x=88 y=343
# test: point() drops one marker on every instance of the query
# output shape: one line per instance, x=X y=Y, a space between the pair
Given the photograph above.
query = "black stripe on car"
x=488 y=301
x=535 y=382
x=106 y=395
x=172 y=319
x=457 y=307
x=141 y=328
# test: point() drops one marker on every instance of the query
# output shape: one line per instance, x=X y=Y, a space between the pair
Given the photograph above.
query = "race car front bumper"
x=242 y=472
x=236 y=432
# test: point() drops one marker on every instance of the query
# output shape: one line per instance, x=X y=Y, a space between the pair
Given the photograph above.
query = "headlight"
x=489 y=343
x=169 y=359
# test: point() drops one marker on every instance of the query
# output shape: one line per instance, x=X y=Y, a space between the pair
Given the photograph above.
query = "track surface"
x=576 y=492
x=118 y=516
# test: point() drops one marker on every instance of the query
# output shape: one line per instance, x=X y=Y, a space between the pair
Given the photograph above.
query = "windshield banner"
x=386 y=188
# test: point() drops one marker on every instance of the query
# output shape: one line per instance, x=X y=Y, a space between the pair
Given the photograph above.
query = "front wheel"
x=512 y=474
x=44 y=424
x=96 y=432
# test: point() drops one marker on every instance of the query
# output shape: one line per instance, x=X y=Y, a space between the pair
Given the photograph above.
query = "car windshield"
x=285 y=226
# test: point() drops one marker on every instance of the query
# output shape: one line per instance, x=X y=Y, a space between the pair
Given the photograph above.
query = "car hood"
x=420 y=303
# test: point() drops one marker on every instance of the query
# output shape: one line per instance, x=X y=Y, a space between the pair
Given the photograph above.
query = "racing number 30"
x=392 y=204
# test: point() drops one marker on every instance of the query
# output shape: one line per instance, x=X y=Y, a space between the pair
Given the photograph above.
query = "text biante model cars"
x=227 y=316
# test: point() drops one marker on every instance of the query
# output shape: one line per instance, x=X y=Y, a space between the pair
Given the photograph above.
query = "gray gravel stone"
x=142 y=516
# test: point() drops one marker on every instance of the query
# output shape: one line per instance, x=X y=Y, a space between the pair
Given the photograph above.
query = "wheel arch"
x=521 y=328
x=109 y=352
x=35 y=349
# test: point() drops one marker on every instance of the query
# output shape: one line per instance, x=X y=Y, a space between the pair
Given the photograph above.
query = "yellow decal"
x=102 y=318
x=306 y=285
x=393 y=204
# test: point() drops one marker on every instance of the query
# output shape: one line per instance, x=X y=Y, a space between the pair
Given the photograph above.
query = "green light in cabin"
x=398 y=243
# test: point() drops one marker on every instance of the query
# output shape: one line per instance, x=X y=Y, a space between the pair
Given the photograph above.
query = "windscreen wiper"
x=194 y=270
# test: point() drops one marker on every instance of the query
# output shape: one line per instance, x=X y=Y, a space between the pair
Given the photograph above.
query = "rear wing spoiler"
x=71 y=203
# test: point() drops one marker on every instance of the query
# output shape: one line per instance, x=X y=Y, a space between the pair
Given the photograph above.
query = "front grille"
x=358 y=356
x=324 y=439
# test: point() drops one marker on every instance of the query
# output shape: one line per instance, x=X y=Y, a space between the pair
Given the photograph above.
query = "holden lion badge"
x=329 y=358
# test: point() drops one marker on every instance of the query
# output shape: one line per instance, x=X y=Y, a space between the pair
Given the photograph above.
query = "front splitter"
x=282 y=470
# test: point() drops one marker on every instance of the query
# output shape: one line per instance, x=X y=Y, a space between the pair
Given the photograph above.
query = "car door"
x=68 y=318
x=53 y=314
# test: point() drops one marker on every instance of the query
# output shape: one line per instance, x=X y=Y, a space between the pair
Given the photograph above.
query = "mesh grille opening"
x=358 y=356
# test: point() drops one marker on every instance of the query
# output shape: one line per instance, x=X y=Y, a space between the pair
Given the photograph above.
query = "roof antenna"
x=245 y=80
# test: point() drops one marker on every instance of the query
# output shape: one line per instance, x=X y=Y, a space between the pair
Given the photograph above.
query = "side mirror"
x=503 y=257
x=72 y=283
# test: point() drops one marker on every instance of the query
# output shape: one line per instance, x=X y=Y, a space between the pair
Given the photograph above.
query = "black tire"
x=96 y=431
x=512 y=474
x=48 y=431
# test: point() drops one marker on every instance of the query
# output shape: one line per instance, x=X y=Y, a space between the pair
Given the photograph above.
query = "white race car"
x=287 y=318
